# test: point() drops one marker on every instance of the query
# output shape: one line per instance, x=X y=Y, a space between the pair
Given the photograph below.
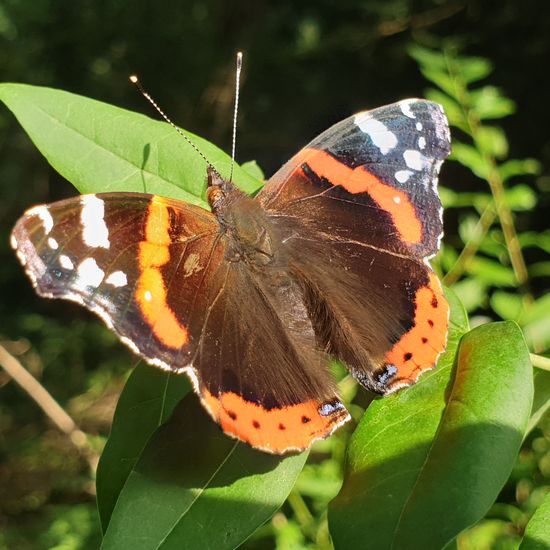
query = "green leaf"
x=489 y=103
x=428 y=58
x=100 y=148
x=491 y=272
x=519 y=198
x=492 y=141
x=508 y=306
x=472 y=292
x=537 y=532
x=426 y=463
x=514 y=167
x=471 y=158
x=148 y=399
x=539 y=269
x=442 y=79
x=251 y=168
x=194 y=487
x=536 y=323
x=473 y=69
x=541 y=399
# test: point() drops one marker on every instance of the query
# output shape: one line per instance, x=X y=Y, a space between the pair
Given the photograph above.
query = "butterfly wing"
x=266 y=381
x=155 y=270
x=359 y=209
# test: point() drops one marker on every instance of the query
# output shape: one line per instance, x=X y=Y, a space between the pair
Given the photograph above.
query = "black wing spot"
x=232 y=415
x=305 y=419
x=424 y=340
x=282 y=427
x=256 y=424
x=431 y=323
x=435 y=303
x=407 y=356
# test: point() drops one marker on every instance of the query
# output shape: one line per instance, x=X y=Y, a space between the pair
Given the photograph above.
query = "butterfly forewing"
x=360 y=212
x=127 y=257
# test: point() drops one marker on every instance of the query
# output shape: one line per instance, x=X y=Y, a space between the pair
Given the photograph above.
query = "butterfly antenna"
x=135 y=80
x=236 y=110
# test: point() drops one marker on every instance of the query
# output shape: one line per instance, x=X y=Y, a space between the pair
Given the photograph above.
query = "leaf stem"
x=540 y=362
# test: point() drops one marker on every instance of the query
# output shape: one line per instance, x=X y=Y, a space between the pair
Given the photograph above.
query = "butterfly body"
x=253 y=299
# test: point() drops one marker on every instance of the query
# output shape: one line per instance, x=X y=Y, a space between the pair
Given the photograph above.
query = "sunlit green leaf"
x=508 y=306
x=194 y=487
x=472 y=293
x=492 y=141
x=453 y=442
x=488 y=103
x=512 y=168
x=537 y=532
x=473 y=69
x=100 y=148
x=471 y=158
x=491 y=272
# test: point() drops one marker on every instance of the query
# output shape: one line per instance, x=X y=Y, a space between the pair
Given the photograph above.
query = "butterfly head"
x=218 y=189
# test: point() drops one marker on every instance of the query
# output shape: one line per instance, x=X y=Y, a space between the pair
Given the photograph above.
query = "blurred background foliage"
x=307 y=65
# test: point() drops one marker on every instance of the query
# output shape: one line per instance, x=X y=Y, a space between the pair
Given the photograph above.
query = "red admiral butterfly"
x=254 y=298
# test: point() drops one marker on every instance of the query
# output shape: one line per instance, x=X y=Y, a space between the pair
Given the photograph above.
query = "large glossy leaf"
x=148 y=399
x=428 y=462
x=194 y=487
x=537 y=532
x=100 y=148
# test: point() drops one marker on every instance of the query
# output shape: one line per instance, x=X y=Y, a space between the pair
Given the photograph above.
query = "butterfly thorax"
x=242 y=220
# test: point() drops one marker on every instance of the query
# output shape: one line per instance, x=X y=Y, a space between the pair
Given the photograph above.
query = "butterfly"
x=253 y=299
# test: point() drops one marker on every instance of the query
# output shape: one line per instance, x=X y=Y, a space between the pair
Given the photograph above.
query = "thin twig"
x=48 y=404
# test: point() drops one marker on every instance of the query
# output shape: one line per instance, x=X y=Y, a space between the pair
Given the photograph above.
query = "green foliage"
x=490 y=254
x=168 y=477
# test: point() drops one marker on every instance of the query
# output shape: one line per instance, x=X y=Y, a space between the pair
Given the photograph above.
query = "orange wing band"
x=419 y=348
x=292 y=428
x=360 y=180
x=151 y=291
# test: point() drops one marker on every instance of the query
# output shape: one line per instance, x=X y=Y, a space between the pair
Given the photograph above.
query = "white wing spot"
x=94 y=229
x=422 y=142
x=419 y=126
x=415 y=159
x=383 y=138
x=89 y=274
x=402 y=176
x=117 y=278
x=52 y=243
x=147 y=295
x=396 y=200
x=65 y=262
x=43 y=213
x=13 y=241
x=406 y=107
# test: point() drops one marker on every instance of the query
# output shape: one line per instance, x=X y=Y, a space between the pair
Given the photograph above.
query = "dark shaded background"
x=307 y=65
